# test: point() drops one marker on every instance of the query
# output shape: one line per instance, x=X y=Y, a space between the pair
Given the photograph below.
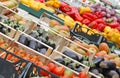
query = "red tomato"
x=51 y=66
x=43 y=72
x=83 y=75
x=59 y=71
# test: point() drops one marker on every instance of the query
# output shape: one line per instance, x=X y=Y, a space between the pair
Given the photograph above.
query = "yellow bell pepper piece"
x=84 y=9
x=49 y=3
x=69 y=18
x=107 y=29
x=26 y=2
x=56 y=4
x=61 y=16
x=50 y=9
x=35 y=5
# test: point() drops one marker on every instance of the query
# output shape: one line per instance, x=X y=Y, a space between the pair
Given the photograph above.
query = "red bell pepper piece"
x=100 y=20
x=78 y=17
x=59 y=71
x=99 y=14
x=86 y=17
x=90 y=15
x=93 y=24
x=113 y=24
x=86 y=21
x=118 y=28
x=62 y=4
x=42 y=1
x=72 y=12
x=101 y=27
x=66 y=8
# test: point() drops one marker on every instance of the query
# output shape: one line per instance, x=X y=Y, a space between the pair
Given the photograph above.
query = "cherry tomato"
x=51 y=66
x=83 y=75
x=59 y=71
x=43 y=72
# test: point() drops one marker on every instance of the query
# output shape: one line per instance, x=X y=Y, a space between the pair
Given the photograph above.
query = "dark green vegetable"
x=118 y=70
x=23 y=39
x=112 y=74
x=39 y=38
x=46 y=36
x=43 y=50
x=51 y=43
x=80 y=58
x=108 y=65
x=71 y=54
x=32 y=44
x=73 y=65
x=67 y=61
x=79 y=69
x=40 y=31
x=39 y=45
x=97 y=60
x=34 y=34
x=95 y=71
x=60 y=60
x=44 y=40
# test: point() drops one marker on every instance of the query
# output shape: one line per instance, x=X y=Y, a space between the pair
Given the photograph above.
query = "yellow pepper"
x=49 y=9
x=84 y=9
x=49 y=3
x=56 y=4
x=61 y=16
x=26 y=2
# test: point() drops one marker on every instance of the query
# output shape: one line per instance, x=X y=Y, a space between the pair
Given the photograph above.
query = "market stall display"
x=62 y=39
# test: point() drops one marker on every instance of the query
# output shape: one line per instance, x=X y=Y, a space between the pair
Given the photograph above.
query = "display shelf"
x=57 y=54
x=12 y=31
x=19 y=33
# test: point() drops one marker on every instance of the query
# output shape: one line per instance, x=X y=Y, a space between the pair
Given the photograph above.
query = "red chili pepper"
x=101 y=27
x=78 y=17
x=86 y=21
x=93 y=24
x=113 y=24
x=99 y=14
